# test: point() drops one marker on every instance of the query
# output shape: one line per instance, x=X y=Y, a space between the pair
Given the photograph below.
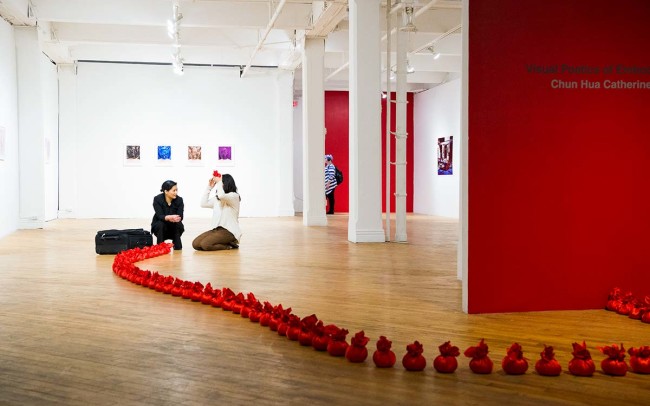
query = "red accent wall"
x=559 y=200
x=337 y=143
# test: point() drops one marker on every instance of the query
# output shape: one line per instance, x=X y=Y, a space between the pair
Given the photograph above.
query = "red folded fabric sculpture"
x=547 y=365
x=383 y=357
x=228 y=299
x=306 y=330
x=514 y=362
x=614 y=300
x=293 y=333
x=413 y=360
x=237 y=303
x=640 y=359
x=177 y=290
x=357 y=351
x=480 y=362
x=208 y=294
x=320 y=338
x=186 y=292
x=446 y=362
x=168 y=284
x=256 y=312
x=267 y=315
x=217 y=298
x=614 y=364
x=197 y=291
x=337 y=345
x=581 y=364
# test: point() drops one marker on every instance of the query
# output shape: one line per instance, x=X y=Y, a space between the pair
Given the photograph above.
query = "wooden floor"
x=73 y=333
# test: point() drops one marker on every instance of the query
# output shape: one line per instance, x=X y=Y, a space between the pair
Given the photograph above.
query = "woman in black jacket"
x=167 y=221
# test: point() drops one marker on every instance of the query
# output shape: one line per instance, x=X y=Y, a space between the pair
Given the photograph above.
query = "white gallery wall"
x=436 y=115
x=8 y=125
x=106 y=106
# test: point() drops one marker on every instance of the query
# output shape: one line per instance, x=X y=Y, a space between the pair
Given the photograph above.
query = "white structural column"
x=31 y=139
x=365 y=223
x=400 y=134
x=313 y=133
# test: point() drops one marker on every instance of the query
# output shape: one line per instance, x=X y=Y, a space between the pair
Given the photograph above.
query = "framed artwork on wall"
x=445 y=155
x=164 y=154
x=3 y=143
x=132 y=155
x=194 y=155
x=225 y=155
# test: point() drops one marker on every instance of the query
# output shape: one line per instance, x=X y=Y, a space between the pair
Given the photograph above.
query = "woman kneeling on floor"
x=225 y=206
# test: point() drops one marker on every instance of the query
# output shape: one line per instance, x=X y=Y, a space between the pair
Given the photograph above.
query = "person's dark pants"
x=164 y=230
x=216 y=239
x=330 y=200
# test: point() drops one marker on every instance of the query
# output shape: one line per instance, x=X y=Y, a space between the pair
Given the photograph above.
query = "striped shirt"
x=330 y=178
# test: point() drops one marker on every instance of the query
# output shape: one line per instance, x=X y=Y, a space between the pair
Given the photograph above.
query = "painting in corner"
x=445 y=155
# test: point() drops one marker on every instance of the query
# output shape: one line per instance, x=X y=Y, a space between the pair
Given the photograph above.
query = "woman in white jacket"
x=225 y=205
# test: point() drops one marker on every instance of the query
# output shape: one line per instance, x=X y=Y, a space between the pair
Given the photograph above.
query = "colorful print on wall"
x=194 y=155
x=445 y=155
x=225 y=156
x=3 y=141
x=164 y=155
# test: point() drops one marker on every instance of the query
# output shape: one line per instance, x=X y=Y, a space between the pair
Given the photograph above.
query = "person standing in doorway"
x=330 y=183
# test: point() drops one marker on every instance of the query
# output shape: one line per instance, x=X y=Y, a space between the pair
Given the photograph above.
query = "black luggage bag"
x=114 y=241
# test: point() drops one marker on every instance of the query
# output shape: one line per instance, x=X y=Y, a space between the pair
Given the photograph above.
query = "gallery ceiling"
x=243 y=33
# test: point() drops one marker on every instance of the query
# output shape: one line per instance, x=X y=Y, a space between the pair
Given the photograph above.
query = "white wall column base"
x=314 y=220
x=366 y=235
x=30 y=224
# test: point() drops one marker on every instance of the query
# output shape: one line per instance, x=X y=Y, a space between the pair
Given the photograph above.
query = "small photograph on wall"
x=445 y=155
x=194 y=156
x=3 y=143
x=132 y=155
x=164 y=155
x=225 y=156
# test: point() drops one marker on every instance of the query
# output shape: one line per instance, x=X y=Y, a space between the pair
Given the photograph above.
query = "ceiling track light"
x=409 y=26
x=435 y=54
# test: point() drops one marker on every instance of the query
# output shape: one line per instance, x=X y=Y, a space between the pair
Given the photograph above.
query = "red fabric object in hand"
x=446 y=362
x=640 y=359
x=514 y=362
x=413 y=360
x=480 y=363
x=581 y=364
x=216 y=173
x=357 y=351
x=383 y=357
x=547 y=365
x=337 y=345
x=614 y=364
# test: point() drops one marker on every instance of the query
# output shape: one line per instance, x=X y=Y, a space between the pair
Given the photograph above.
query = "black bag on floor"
x=114 y=241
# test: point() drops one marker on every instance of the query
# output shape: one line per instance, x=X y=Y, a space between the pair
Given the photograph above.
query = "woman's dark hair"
x=167 y=185
x=228 y=183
